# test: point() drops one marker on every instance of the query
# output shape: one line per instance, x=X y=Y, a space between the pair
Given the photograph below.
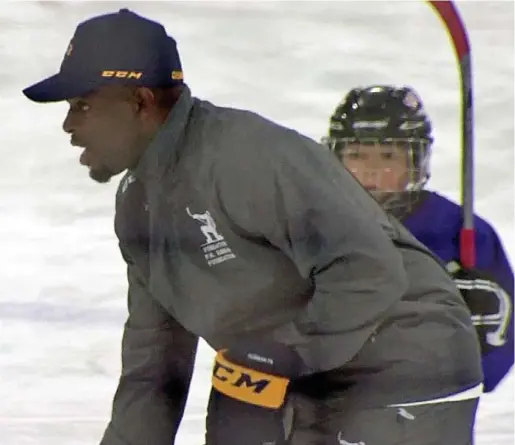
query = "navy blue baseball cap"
x=122 y=48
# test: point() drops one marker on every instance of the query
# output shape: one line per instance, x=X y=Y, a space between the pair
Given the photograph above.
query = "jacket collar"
x=163 y=150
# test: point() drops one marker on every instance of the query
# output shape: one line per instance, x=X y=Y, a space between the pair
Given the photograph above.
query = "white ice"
x=62 y=283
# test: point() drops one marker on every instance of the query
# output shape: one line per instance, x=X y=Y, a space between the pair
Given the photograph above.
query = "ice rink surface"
x=62 y=283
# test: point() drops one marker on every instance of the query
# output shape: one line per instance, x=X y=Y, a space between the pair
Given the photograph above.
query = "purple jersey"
x=436 y=222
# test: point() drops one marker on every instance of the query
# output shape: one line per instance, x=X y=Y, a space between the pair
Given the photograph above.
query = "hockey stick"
x=456 y=29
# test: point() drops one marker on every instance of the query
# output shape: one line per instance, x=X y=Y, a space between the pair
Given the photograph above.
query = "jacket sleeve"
x=290 y=191
x=490 y=255
x=157 y=364
x=498 y=359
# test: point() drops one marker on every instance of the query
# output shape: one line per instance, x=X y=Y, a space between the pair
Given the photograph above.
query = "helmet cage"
x=418 y=155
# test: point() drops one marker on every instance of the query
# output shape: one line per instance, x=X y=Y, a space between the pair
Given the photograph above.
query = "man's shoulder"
x=238 y=122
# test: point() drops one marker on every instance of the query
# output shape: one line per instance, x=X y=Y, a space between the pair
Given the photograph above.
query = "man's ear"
x=146 y=100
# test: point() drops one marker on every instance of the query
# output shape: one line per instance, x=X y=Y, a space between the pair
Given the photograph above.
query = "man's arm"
x=296 y=196
x=158 y=355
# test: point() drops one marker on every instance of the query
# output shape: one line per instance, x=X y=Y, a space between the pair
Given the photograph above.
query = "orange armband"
x=248 y=385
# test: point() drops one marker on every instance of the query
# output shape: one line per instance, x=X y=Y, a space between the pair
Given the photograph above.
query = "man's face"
x=107 y=124
x=380 y=168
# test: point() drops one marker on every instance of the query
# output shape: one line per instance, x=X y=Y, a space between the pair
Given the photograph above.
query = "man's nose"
x=68 y=123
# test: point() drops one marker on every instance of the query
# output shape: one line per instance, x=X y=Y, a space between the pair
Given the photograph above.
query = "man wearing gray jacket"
x=332 y=324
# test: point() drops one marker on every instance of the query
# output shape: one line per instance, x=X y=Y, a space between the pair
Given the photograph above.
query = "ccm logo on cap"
x=177 y=75
x=123 y=74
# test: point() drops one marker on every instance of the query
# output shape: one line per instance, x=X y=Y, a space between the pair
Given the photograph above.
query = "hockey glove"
x=250 y=392
x=488 y=303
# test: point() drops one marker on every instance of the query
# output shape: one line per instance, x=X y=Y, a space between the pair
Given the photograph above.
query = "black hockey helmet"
x=380 y=113
x=384 y=114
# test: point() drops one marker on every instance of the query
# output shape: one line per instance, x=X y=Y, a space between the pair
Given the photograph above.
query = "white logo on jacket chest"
x=215 y=248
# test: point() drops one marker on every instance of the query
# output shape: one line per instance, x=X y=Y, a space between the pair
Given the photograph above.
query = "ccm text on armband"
x=248 y=385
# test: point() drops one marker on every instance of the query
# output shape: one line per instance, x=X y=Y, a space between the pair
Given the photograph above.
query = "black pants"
x=314 y=422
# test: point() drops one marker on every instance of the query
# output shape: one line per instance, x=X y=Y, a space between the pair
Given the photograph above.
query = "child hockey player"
x=383 y=136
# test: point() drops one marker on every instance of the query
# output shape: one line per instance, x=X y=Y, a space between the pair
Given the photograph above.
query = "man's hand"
x=250 y=393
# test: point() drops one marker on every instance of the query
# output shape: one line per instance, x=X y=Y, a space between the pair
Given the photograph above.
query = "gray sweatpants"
x=306 y=421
